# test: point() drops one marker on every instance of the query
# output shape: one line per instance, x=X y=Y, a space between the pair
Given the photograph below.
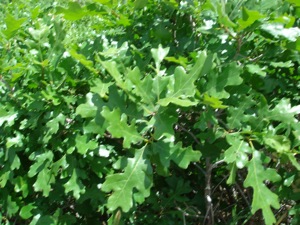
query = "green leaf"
x=159 y=86
x=139 y=4
x=255 y=69
x=101 y=88
x=8 y=116
x=112 y=68
x=142 y=88
x=213 y=102
x=284 y=112
x=223 y=16
x=181 y=60
x=286 y=64
x=137 y=176
x=248 y=18
x=53 y=126
x=21 y=184
x=83 y=144
x=295 y=2
x=25 y=211
x=12 y=25
x=238 y=152
x=41 y=161
x=88 y=109
x=39 y=219
x=177 y=101
x=83 y=60
x=217 y=82
x=168 y=151
x=278 y=142
x=263 y=197
x=159 y=54
x=74 y=184
x=11 y=206
x=73 y=12
x=182 y=84
x=43 y=182
x=119 y=128
x=38 y=35
x=232 y=175
x=236 y=114
x=163 y=122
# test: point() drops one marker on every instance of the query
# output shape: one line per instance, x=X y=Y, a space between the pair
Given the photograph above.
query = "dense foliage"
x=150 y=112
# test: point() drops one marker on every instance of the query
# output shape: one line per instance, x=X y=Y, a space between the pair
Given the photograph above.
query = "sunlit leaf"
x=263 y=197
x=119 y=128
x=137 y=175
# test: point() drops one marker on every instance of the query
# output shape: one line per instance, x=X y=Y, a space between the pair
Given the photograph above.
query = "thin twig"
x=216 y=164
x=209 y=216
x=243 y=195
x=190 y=133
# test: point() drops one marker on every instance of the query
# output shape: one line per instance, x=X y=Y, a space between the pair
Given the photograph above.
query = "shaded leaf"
x=83 y=60
x=217 y=82
x=168 y=151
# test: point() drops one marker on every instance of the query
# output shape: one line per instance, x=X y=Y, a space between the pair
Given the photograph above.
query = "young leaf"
x=137 y=175
x=159 y=54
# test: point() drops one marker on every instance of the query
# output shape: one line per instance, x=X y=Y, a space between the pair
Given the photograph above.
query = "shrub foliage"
x=141 y=112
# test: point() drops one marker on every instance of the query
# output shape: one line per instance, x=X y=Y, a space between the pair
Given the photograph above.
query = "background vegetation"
x=149 y=112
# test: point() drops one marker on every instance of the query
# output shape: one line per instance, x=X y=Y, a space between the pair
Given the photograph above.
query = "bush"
x=142 y=112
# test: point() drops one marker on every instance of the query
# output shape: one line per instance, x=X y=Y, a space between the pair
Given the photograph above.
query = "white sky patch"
x=103 y=152
x=278 y=30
